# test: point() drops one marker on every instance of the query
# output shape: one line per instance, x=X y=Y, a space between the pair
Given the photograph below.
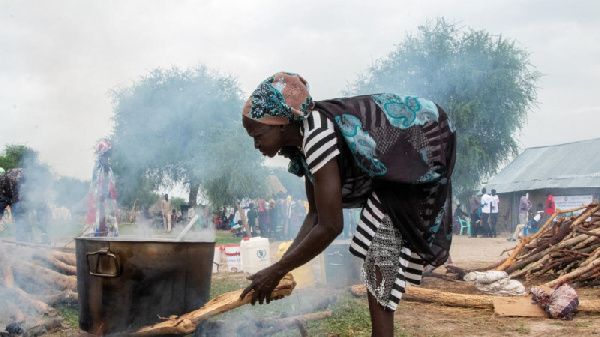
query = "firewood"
x=562 y=245
x=51 y=260
x=510 y=266
x=66 y=296
x=35 y=272
x=530 y=267
x=186 y=324
x=33 y=303
x=594 y=261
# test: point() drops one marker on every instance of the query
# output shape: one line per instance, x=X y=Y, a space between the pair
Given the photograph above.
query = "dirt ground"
x=423 y=319
x=431 y=319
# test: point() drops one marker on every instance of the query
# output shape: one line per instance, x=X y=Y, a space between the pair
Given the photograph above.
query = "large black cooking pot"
x=124 y=283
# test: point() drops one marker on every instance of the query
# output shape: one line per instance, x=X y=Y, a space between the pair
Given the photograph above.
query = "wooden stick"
x=186 y=324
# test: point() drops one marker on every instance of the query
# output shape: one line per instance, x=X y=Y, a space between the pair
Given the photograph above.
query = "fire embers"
x=13 y=329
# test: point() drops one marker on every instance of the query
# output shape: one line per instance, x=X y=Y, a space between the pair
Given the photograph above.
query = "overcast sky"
x=59 y=59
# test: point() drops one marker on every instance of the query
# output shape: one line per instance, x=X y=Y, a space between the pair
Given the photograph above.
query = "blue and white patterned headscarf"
x=279 y=100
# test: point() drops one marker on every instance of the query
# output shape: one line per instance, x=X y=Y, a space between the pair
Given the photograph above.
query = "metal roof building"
x=572 y=165
x=569 y=170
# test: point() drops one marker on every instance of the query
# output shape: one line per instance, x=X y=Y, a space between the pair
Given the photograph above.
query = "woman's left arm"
x=327 y=194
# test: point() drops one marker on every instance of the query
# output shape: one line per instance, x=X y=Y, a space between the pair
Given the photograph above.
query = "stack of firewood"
x=567 y=249
x=34 y=279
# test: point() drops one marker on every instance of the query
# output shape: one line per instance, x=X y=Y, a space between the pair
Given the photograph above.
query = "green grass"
x=350 y=315
x=69 y=313
x=522 y=329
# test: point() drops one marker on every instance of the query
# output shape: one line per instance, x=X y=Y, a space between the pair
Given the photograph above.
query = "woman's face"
x=267 y=138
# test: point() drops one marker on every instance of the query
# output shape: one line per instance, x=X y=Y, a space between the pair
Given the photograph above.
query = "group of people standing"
x=279 y=218
x=484 y=214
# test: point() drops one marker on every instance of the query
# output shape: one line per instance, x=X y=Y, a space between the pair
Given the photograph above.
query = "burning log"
x=27 y=272
x=54 y=262
x=187 y=323
x=47 y=276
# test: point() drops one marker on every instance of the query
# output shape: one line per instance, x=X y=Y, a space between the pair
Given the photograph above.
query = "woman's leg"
x=382 y=320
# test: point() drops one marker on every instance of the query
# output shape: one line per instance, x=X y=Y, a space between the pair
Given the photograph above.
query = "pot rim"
x=140 y=240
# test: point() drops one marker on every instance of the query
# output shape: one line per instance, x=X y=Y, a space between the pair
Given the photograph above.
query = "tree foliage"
x=70 y=192
x=484 y=82
x=174 y=126
x=16 y=155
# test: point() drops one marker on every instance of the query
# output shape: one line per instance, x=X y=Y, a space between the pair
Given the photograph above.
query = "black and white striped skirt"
x=380 y=245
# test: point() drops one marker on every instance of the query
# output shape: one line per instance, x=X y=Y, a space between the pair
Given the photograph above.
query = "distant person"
x=524 y=207
x=252 y=215
x=474 y=210
x=262 y=217
x=495 y=207
x=486 y=201
x=550 y=207
x=166 y=209
x=191 y=213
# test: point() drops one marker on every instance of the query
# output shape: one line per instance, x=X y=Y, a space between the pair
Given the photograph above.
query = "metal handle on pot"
x=104 y=252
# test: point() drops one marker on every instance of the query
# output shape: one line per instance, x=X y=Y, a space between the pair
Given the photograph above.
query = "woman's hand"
x=263 y=283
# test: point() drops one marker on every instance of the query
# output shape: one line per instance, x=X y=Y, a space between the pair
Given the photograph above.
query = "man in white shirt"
x=494 y=206
x=486 y=201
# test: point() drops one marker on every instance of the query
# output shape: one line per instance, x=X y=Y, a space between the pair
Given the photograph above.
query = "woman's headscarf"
x=279 y=99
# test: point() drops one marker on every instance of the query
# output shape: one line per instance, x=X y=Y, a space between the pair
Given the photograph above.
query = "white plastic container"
x=256 y=254
x=233 y=258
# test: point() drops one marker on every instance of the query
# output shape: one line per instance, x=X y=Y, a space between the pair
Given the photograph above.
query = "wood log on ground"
x=65 y=257
x=418 y=294
x=29 y=301
x=33 y=271
x=187 y=323
x=55 y=263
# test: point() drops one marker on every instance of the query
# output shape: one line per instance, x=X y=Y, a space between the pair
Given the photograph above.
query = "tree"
x=69 y=192
x=485 y=83
x=16 y=155
x=175 y=126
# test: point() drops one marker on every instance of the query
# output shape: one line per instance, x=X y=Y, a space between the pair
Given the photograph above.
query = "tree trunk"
x=193 y=196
